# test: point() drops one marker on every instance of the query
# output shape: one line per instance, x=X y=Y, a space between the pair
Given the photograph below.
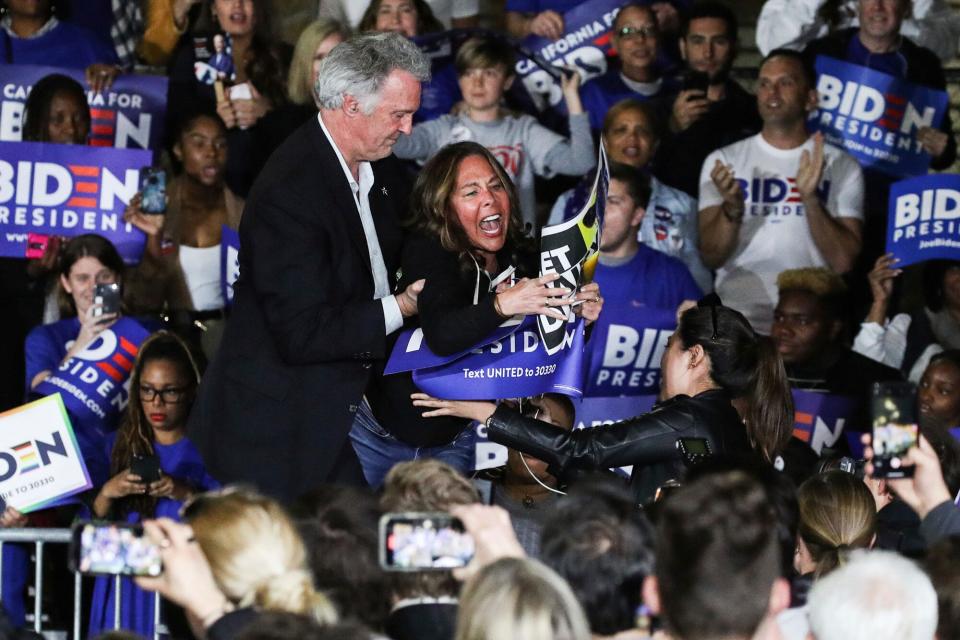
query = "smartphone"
x=153 y=190
x=423 y=542
x=696 y=81
x=113 y=548
x=694 y=450
x=895 y=430
x=147 y=467
x=108 y=297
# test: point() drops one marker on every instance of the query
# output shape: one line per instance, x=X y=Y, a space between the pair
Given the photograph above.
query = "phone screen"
x=108 y=297
x=423 y=541
x=894 y=428
x=114 y=548
x=153 y=190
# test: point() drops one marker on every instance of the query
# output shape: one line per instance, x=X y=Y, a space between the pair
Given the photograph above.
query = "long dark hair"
x=83 y=246
x=135 y=435
x=426 y=21
x=36 y=113
x=266 y=63
x=430 y=201
x=746 y=365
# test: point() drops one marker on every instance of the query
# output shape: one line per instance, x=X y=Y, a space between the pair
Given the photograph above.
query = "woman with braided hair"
x=163 y=385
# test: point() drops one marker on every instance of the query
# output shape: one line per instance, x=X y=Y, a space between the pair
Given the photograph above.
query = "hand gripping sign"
x=875 y=117
x=924 y=219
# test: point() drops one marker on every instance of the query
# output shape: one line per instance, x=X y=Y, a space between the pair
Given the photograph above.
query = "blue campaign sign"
x=68 y=190
x=924 y=219
x=411 y=352
x=129 y=115
x=94 y=383
x=516 y=366
x=593 y=411
x=585 y=45
x=820 y=418
x=625 y=349
x=229 y=262
x=875 y=117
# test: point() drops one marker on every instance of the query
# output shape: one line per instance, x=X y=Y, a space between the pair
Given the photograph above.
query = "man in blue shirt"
x=630 y=272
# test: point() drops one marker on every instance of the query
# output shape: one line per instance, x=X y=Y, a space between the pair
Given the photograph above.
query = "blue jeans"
x=378 y=451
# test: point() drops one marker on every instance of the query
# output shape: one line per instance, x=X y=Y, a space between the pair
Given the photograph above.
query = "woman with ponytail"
x=713 y=357
x=256 y=556
x=837 y=515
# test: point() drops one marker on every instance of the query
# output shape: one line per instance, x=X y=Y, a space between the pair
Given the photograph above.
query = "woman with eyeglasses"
x=151 y=438
x=713 y=358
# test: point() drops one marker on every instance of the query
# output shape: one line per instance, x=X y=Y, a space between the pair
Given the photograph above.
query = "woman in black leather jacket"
x=713 y=357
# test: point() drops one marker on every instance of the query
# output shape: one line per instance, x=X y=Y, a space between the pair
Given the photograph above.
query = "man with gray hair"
x=878 y=595
x=319 y=244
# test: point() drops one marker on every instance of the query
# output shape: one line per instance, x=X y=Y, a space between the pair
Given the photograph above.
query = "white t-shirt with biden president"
x=775 y=235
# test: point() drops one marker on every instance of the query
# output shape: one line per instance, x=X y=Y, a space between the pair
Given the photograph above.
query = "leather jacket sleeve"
x=646 y=439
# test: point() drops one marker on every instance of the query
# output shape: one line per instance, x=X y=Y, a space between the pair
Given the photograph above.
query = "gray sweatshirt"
x=522 y=145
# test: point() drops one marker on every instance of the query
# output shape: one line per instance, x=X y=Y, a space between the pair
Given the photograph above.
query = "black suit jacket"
x=305 y=333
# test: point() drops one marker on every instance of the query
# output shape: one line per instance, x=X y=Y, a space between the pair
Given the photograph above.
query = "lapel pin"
x=383 y=190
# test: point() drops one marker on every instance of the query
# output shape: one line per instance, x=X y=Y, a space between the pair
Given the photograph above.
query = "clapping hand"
x=811 y=169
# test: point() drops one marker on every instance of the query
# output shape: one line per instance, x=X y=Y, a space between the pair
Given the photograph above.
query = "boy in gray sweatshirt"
x=522 y=145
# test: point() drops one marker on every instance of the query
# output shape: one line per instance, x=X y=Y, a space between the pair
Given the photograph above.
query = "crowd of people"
x=392 y=170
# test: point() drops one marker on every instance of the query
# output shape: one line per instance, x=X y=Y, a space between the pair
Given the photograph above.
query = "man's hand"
x=689 y=107
x=729 y=188
x=927 y=488
x=933 y=141
x=548 y=24
x=407 y=300
x=811 y=169
x=492 y=533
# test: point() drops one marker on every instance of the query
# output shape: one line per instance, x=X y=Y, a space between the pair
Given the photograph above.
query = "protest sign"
x=571 y=249
x=516 y=366
x=585 y=45
x=40 y=462
x=820 y=418
x=924 y=219
x=875 y=117
x=229 y=262
x=68 y=190
x=95 y=383
x=128 y=115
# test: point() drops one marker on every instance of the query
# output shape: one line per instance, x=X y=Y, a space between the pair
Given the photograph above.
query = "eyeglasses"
x=646 y=32
x=170 y=395
x=713 y=301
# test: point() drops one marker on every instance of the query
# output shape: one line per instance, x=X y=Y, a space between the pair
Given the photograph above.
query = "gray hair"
x=879 y=595
x=360 y=65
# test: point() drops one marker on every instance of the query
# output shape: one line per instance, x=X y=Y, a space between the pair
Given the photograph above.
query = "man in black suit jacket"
x=320 y=242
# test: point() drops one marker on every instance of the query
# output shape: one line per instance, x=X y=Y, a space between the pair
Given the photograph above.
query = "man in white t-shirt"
x=781 y=199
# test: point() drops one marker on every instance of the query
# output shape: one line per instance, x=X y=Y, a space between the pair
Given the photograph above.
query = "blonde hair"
x=300 y=78
x=519 y=598
x=819 y=281
x=255 y=553
x=426 y=485
x=837 y=514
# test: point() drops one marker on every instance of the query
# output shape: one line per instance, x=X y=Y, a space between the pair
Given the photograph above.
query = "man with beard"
x=715 y=113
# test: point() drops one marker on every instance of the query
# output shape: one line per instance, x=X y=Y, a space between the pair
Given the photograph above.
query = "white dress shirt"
x=392 y=318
